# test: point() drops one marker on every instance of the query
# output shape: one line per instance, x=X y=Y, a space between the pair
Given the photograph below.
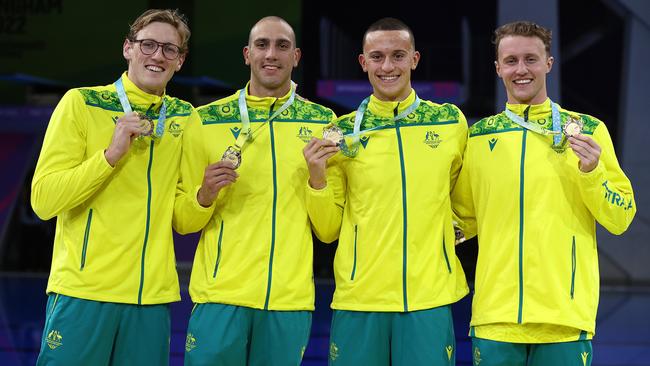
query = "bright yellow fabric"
x=392 y=208
x=256 y=245
x=535 y=213
x=131 y=204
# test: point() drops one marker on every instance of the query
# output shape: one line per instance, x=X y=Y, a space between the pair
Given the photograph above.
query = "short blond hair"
x=524 y=29
x=169 y=16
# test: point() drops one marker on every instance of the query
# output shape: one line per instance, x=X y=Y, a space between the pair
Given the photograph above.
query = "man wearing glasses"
x=108 y=171
x=252 y=274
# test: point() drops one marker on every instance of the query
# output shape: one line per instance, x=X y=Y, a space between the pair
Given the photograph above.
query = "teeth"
x=388 y=78
x=154 y=68
x=524 y=81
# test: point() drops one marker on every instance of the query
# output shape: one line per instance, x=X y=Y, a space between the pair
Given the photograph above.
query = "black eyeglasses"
x=149 y=47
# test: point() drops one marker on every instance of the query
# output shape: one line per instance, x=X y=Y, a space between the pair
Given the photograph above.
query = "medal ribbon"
x=358 y=118
x=126 y=106
x=246 y=134
x=557 y=121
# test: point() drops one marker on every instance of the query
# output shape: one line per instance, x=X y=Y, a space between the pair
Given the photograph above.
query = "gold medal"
x=333 y=134
x=573 y=127
x=232 y=155
x=146 y=124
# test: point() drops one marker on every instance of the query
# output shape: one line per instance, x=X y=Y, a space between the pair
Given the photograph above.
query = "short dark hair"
x=172 y=17
x=388 y=24
x=525 y=29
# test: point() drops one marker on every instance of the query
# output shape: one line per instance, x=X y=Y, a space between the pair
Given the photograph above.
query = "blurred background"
x=601 y=50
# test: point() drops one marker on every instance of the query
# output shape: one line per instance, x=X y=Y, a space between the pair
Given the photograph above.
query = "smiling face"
x=151 y=73
x=522 y=64
x=271 y=54
x=388 y=57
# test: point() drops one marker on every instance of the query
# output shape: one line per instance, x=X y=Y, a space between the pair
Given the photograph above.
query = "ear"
x=362 y=62
x=296 y=57
x=126 y=49
x=181 y=60
x=497 y=68
x=416 y=59
x=549 y=64
x=246 y=59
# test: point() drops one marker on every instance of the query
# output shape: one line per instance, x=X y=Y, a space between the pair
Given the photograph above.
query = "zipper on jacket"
x=86 y=235
x=354 y=263
x=526 y=111
x=216 y=265
x=275 y=202
x=404 y=219
x=573 y=265
x=444 y=251
x=521 y=223
x=146 y=230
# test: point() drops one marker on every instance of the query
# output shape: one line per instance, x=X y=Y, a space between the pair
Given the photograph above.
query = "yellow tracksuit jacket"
x=113 y=238
x=256 y=243
x=391 y=205
x=535 y=213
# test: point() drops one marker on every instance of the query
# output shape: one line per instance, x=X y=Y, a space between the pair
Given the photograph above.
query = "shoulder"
x=435 y=112
x=491 y=124
x=220 y=110
x=104 y=97
x=306 y=109
x=178 y=107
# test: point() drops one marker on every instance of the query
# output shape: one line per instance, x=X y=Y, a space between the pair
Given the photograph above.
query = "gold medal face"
x=333 y=134
x=146 y=124
x=573 y=127
x=233 y=156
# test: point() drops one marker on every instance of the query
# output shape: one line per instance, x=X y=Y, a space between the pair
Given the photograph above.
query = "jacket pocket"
x=573 y=266
x=444 y=251
x=86 y=236
x=216 y=264
x=354 y=260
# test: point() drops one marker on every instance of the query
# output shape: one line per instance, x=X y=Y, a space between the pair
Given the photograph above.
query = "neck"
x=399 y=98
x=158 y=92
x=261 y=92
x=538 y=99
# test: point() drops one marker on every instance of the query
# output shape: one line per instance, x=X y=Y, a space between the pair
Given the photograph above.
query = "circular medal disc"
x=333 y=134
x=573 y=127
x=233 y=156
x=147 y=126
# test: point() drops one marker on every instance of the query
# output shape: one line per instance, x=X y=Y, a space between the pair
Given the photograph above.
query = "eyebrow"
x=266 y=39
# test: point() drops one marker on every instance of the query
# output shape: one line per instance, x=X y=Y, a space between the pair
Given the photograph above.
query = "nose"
x=387 y=65
x=270 y=53
x=521 y=68
x=158 y=55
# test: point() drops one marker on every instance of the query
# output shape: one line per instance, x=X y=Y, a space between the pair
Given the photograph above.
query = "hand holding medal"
x=132 y=126
x=585 y=148
x=318 y=151
x=215 y=177
x=127 y=128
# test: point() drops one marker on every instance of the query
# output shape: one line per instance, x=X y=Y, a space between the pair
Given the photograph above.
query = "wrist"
x=203 y=199
x=317 y=184
x=111 y=157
